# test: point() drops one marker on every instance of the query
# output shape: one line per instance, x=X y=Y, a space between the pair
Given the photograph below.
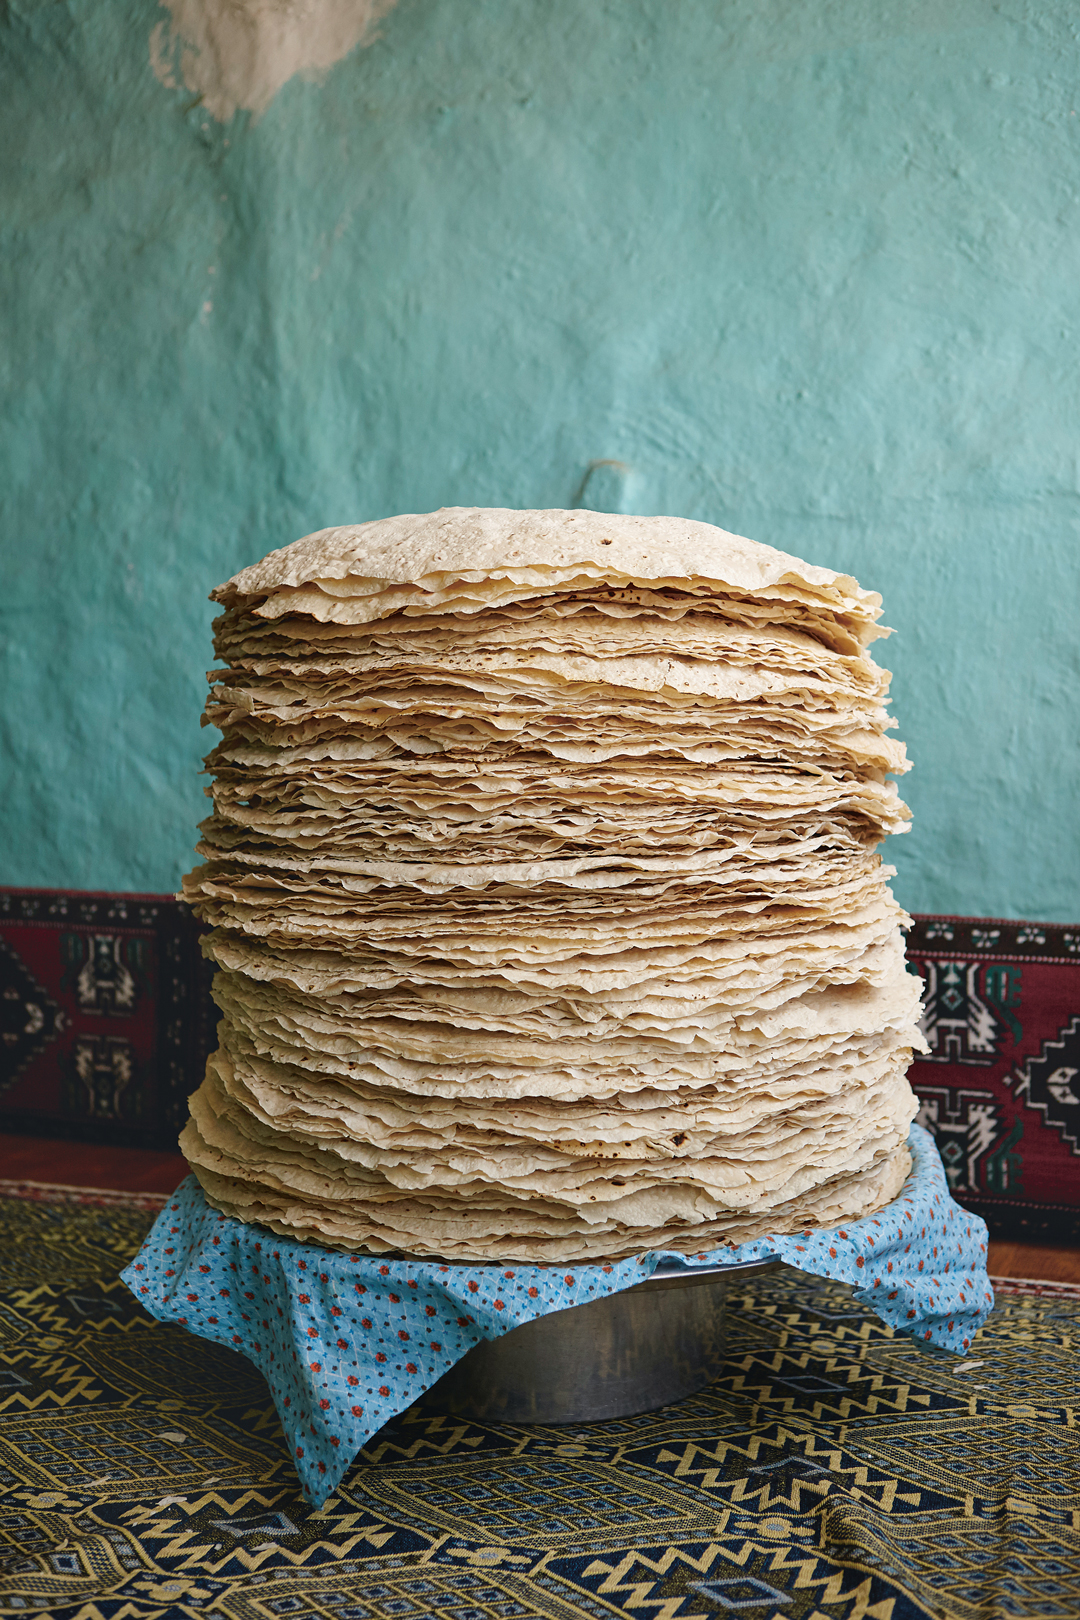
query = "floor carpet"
x=833 y=1472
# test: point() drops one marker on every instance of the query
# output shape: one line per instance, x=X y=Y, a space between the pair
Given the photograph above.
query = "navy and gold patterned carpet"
x=833 y=1472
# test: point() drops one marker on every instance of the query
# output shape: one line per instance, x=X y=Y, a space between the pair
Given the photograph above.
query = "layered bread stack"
x=544 y=893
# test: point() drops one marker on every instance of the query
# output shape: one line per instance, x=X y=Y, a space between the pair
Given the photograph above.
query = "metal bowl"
x=649 y=1346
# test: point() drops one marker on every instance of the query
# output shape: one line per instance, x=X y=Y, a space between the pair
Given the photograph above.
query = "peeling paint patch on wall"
x=237 y=54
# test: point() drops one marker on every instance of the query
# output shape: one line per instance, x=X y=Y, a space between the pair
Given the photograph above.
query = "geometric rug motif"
x=105 y=1015
x=999 y=1087
x=29 y=1017
x=832 y=1472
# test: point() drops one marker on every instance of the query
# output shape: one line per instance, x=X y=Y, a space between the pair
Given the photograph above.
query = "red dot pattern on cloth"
x=345 y=1340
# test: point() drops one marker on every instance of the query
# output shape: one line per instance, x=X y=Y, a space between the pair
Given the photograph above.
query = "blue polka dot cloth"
x=346 y=1341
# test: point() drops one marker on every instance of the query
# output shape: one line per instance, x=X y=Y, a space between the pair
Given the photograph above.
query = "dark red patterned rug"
x=106 y=1021
x=105 y=1015
x=1000 y=1088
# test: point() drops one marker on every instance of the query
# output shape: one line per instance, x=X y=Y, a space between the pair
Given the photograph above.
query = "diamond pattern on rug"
x=833 y=1470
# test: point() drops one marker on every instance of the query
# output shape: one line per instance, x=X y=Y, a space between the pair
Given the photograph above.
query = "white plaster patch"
x=239 y=53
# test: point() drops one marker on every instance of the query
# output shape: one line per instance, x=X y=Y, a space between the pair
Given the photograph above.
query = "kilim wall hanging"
x=105 y=1015
x=1000 y=1086
x=106 y=1021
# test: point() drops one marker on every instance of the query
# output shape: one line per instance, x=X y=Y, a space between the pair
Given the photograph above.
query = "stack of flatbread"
x=544 y=894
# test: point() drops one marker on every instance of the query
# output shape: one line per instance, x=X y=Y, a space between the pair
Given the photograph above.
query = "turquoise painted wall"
x=811 y=268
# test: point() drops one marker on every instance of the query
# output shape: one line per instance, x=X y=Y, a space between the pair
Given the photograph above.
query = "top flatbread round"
x=477 y=543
